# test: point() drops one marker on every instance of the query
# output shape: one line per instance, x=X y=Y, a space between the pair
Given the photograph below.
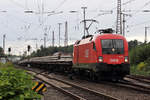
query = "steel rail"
x=76 y=97
x=139 y=78
x=132 y=86
x=105 y=96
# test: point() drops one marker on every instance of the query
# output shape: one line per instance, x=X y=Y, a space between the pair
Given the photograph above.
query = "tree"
x=132 y=44
x=51 y=50
x=140 y=53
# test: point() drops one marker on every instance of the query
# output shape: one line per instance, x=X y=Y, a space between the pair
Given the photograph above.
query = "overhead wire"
x=61 y=4
x=125 y=3
x=139 y=10
x=139 y=23
x=17 y=4
x=136 y=12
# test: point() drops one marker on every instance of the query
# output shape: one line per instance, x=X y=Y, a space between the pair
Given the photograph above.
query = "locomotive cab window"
x=112 y=46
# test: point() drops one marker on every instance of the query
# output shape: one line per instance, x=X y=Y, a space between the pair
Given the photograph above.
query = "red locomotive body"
x=102 y=55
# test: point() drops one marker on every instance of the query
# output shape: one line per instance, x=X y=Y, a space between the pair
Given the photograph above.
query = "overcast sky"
x=22 y=28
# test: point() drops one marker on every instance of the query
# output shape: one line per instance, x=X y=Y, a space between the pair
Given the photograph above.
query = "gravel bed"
x=118 y=92
x=53 y=94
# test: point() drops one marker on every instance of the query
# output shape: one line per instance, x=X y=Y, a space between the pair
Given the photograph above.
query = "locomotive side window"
x=94 y=46
x=112 y=46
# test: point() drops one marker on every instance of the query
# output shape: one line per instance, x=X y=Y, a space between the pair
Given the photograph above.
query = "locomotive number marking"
x=114 y=60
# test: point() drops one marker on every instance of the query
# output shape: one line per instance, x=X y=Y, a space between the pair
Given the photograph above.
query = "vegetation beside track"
x=15 y=84
x=140 y=58
x=51 y=50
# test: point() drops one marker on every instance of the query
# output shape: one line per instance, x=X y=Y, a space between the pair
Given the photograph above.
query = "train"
x=100 y=56
x=103 y=55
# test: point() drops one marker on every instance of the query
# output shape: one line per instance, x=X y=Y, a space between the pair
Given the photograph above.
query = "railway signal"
x=9 y=50
x=28 y=47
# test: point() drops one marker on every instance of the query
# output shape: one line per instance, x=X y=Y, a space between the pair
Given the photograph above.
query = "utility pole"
x=36 y=45
x=45 y=35
x=119 y=18
x=66 y=34
x=123 y=30
x=59 y=32
x=4 y=36
x=53 y=39
x=146 y=34
x=84 y=19
x=124 y=21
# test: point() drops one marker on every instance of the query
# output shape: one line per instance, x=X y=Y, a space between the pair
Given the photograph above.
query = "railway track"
x=131 y=85
x=123 y=84
x=75 y=91
x=135 y=86
x=139 y=78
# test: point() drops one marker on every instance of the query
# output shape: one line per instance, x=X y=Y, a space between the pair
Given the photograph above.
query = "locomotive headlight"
x=126 y=59
x=100 y=59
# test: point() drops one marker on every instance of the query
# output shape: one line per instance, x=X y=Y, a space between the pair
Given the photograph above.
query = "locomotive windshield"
x=112 y=46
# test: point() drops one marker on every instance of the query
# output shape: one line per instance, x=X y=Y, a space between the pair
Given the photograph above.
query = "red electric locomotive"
x=102 y=56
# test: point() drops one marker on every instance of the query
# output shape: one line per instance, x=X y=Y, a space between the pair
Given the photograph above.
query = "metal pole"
x=59 y=33
x=53 y=39
x=66 y=34
x=84 y=19
x=119 y=18
x=123 y=30
x=4 y=36
x=146 y=34
x=36 y=44
x=45 y=40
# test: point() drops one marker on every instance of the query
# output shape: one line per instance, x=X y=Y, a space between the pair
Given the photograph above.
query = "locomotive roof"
x=99 y=36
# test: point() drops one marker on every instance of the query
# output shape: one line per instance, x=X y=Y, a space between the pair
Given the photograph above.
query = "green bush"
x=135 y=71
x=148 y=61
x=15 y=84
x=140 y=59
x=141 y=66
x=140 y=53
